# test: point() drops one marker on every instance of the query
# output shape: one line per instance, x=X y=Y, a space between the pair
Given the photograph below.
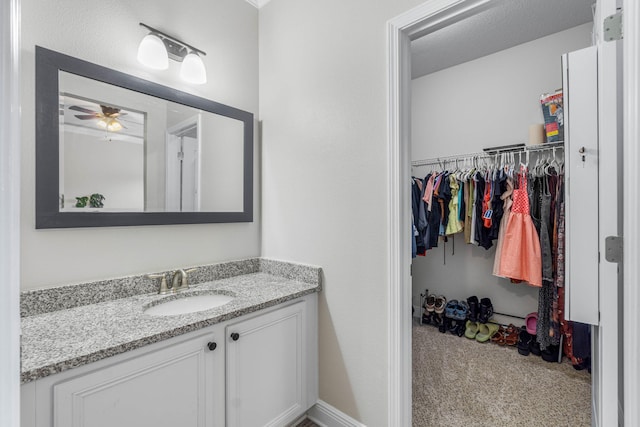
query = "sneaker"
x=450 y=309
x=461 y=311
x=440 y=303
x=429 y=303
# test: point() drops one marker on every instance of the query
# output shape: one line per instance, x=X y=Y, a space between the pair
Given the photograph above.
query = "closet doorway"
x=430 y=19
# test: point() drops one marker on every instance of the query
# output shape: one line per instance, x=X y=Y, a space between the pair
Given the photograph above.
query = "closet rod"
x=490 y=154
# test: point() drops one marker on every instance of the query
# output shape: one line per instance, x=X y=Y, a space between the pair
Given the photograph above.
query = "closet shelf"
x=491 y=153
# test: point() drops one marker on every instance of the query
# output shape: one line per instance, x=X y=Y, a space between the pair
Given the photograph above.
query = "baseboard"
x=326 y=415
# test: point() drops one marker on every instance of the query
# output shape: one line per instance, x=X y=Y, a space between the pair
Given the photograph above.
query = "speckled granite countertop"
x=55 y=341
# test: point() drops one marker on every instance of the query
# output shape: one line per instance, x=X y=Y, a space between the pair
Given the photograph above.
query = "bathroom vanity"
x=249 y=362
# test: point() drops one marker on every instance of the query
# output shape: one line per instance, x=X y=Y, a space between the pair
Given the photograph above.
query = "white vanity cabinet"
x=266 y=368
x=268 y=376
x=178 y=382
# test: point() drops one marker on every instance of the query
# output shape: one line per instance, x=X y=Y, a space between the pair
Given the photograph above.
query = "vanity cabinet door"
x=266 y=368
x=173 y=386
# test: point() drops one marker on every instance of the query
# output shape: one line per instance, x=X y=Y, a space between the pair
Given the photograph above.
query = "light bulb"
x=102 y=123
x=114 y=126
x=153 y=53
x=192 y=69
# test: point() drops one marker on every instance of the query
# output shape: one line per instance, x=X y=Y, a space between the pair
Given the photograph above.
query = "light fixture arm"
x=176 y=48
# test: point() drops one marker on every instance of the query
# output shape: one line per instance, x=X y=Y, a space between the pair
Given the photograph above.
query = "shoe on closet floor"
x=531 y=322
x=439 y=304
x=461 y=311
x=426 y=318
x=486 y=331
x=524 y=342
x=450 y=308
x=551 y=353
x=535 y=347
x=486 y=310
x=474 y=310
x=511 y=335
x=499 y=337
x=444 y=325
x=471 y=329
x=430 y=303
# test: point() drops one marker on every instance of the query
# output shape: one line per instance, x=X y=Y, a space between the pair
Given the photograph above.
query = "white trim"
x=257 y=3
x=10 y=213
x=326 y=415
x=631 y=197
x=416 y=22
x=606 y=343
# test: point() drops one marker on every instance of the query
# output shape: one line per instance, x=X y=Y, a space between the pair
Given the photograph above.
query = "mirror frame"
x=48 y=66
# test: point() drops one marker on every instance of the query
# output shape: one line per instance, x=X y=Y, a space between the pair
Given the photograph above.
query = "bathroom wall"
x=323 y=103
x=107 y=33
x=487 y=102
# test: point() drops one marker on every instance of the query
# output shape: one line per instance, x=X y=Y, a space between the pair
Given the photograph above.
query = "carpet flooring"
x=460 y=382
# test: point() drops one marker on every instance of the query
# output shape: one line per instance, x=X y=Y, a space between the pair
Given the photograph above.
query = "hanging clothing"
x=520 y=255
x=481 y=232
x=453 y=225
x=499 y=186
x=469 y=223
x=506 y=203
x=415 y=210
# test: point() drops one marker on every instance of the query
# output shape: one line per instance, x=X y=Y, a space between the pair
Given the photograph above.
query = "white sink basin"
x=188 y=304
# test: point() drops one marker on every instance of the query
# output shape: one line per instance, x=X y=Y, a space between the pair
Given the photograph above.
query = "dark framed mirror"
x=117 y=150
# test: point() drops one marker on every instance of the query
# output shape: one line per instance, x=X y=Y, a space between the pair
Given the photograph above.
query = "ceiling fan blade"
x=88 y=117
x=81 y=109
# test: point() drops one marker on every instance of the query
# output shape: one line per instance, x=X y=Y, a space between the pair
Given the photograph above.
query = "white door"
x=266 y=368
x=593 y=100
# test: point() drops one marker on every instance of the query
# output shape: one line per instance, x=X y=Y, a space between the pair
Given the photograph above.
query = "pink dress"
x=520 y=257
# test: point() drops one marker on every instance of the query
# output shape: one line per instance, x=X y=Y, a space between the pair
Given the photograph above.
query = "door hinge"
x=612 y=27
x=613 y=251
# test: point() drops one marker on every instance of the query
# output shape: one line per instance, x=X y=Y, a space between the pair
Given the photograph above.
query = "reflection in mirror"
x=145 y=154
x=116 y=150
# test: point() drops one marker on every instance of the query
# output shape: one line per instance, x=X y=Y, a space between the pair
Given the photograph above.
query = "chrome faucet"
x=179 y=281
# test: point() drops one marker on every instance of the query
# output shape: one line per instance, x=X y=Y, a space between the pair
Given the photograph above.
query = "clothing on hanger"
x=520 y=255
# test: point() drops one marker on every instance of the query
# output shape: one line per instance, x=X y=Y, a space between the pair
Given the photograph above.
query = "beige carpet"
x=460 y=382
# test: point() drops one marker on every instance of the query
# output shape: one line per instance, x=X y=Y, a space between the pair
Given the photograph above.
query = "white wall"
x=487 y=102
x=323 y=103
x=490 y=101
x=107 y=33
x=111 y=168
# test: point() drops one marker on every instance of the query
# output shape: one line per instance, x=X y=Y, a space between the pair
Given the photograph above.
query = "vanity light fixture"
x=156 y=48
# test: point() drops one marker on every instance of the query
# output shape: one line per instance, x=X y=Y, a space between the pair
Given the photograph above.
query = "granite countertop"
x=55 y=341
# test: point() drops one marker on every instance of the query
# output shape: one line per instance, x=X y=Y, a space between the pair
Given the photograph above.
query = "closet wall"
x=487 y=102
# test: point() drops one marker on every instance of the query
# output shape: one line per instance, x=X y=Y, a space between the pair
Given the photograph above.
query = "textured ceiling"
x=506 y=23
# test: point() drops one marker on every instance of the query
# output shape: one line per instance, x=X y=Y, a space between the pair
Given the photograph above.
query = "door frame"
x=195 y=121
x=400 y=31
x=631 y=207
x=10 y=213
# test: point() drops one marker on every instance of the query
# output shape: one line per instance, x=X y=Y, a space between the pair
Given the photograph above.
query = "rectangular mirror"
x=113 y=150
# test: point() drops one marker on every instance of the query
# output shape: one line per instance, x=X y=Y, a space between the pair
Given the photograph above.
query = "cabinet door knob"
x=235 y=336
x=212 y=346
